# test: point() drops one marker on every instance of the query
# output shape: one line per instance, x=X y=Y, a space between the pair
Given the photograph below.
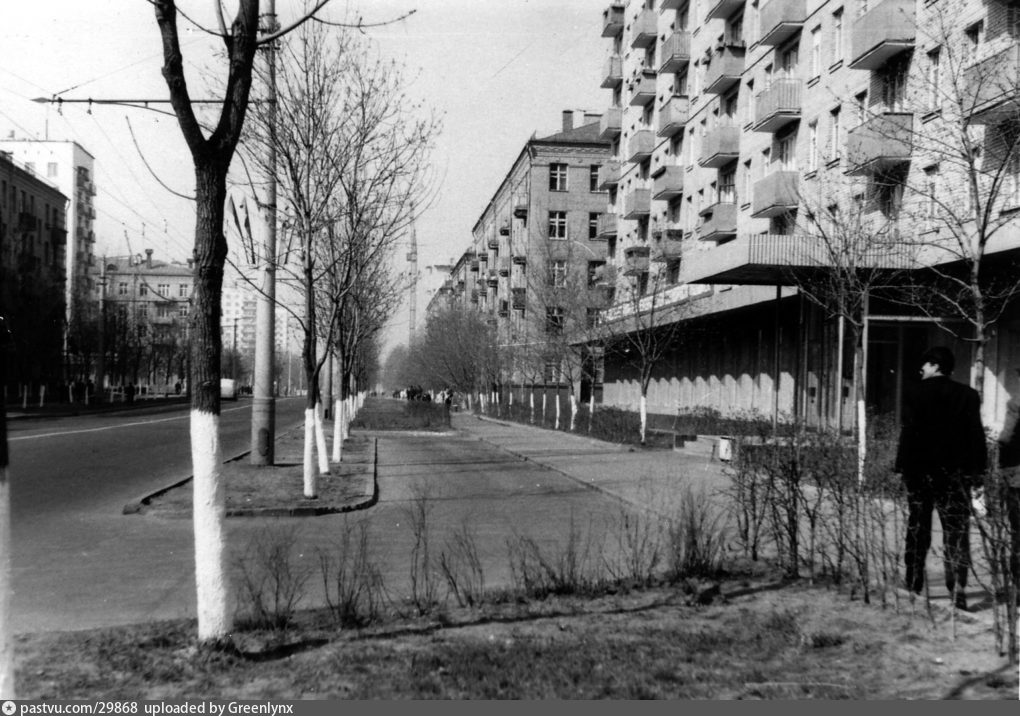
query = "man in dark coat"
x=941 y=456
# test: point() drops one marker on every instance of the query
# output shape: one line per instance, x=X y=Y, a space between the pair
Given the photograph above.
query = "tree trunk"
x=215 y=619
x=7 y=690
x=643 y=413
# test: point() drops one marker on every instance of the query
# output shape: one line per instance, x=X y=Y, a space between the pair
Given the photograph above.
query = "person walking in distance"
x=941 y=456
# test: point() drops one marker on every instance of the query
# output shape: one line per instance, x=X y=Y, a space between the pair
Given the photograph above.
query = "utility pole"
x=412 y=258
x=263 y=414
x=101 y=357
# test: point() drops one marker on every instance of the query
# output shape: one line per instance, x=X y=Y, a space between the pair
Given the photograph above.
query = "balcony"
x=635 y=260
x=504 y=265
x=607 y=225
x=672 y=4
x=518 y=298
x=637 y=204
x=520 y=260
x=676 y=52
x=884 y=31
x=492 y=279
x=26 y=221
x=604 y=275
x=778 y=105
x=642 y=88
x=644 y=29
x=474 y=265
x=493 y=243
x=58 y=237
x=611 y=123
x=612 y=21
x=722 y=9
x=668 y=182
x=668 y=245
x=725 y=68
x=521 y=210
x=776 y=194
x=781 y=259
x=640 y=146
x=673 y=115
x=882 y=142
x=609 y=174
x=780 y=19
x=991 y=87
x=612 y=75
x=720 y=147
x=720 y=222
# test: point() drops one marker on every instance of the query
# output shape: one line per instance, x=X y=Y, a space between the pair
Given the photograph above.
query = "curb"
x=136 y=506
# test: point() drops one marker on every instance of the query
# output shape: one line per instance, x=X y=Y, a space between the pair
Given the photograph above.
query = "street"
x=80 y=563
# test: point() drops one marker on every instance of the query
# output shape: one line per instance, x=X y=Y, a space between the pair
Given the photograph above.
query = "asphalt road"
x=87 y=565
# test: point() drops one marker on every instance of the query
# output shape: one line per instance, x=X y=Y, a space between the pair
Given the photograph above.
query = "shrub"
x=272 y=579
x=353 y=584
x=696 y=537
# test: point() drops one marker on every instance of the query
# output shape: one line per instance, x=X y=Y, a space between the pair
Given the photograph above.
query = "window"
x=122 y=288
x=931 y=181
x=554 y=320
x=551 y=373
x=143 y=289
x=51 y=169
x=557 y=225
x=813 y=146
x=975 y=35
x=894 y=87
x=557 y=273
x=861 y=107
x=182 y=309
x=183 y=290
x=591 y=317
x=786 y=151
x=816 y=51
x=750 y=102
x=163 y=310
x=595 y=269
x=747 y=181
x=557 y=177
x=933 y=79
x=593 y=178
x=835 y=134
x=163 y=290
x=728 y=184
x=593 y=225
x=837 y=36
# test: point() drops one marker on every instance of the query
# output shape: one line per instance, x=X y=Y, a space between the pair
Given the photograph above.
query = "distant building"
x=69 y=167
x=32 y=244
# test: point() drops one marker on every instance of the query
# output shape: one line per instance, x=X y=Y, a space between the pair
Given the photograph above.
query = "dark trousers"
x=952 y=500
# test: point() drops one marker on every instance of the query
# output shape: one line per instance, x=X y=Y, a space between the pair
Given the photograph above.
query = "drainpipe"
x=775 y=364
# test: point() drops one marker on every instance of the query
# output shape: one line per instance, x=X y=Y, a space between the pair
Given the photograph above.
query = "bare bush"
x=695 y=538
x=638 y=549
x=461 y=566
x=424 y=576
x=576 y=568
x=272 y=579
x=353 y=585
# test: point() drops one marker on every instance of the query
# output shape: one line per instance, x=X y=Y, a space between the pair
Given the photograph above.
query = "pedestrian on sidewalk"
x=941 y=456
x=1009 y=471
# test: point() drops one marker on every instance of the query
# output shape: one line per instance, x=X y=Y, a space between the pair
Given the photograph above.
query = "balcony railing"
x=635 y=260
x=721 y=146
x=725 y=68
x=493 y=243
x=644 y=29
x=778 y=105
x=504 y=265
x=667 y=245
x=607 y=225
x=640 y=146
x=637 y=204
x=880 y=143
x=720 y=222
x=642 y=88
x=611 y=123
x=776 y=194
x=884 y=31
x=990 y=87
x=668 y=182
x=612 y=76
x=612 y=20
x=673 y=115
x=518 y=298
x=780 y=19
x=609 y=174
x=676 y=52
x=521 y=210
x=722 y=9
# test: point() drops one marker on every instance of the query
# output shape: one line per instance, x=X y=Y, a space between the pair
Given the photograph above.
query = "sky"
x=494 y=71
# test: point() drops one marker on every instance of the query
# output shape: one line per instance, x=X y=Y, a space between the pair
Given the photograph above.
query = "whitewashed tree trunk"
x=308 y=464
x=209 y=515
x=531 y=404
x=545 y=398
x=338 y=429
x=643 y=411
x=573 y=411
x=42 y=395
x=556 y=425
x=591 y=408
x=6 y=637
x=24 y=397
x=320 y=441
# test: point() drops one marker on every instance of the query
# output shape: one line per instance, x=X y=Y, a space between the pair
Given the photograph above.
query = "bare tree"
x=7 y=687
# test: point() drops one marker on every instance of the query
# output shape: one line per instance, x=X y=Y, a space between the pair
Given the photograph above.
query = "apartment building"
x=536 y=264
x=747 y=132
x=71 y=168
x=33 y=237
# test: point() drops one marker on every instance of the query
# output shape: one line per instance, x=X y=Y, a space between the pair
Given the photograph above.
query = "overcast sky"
x=495 y=71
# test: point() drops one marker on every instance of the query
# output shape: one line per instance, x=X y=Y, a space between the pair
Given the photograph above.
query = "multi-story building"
x=539 y=247
x=33 y=237
x=147 y=304
x=69 y=167
x=750 y=133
